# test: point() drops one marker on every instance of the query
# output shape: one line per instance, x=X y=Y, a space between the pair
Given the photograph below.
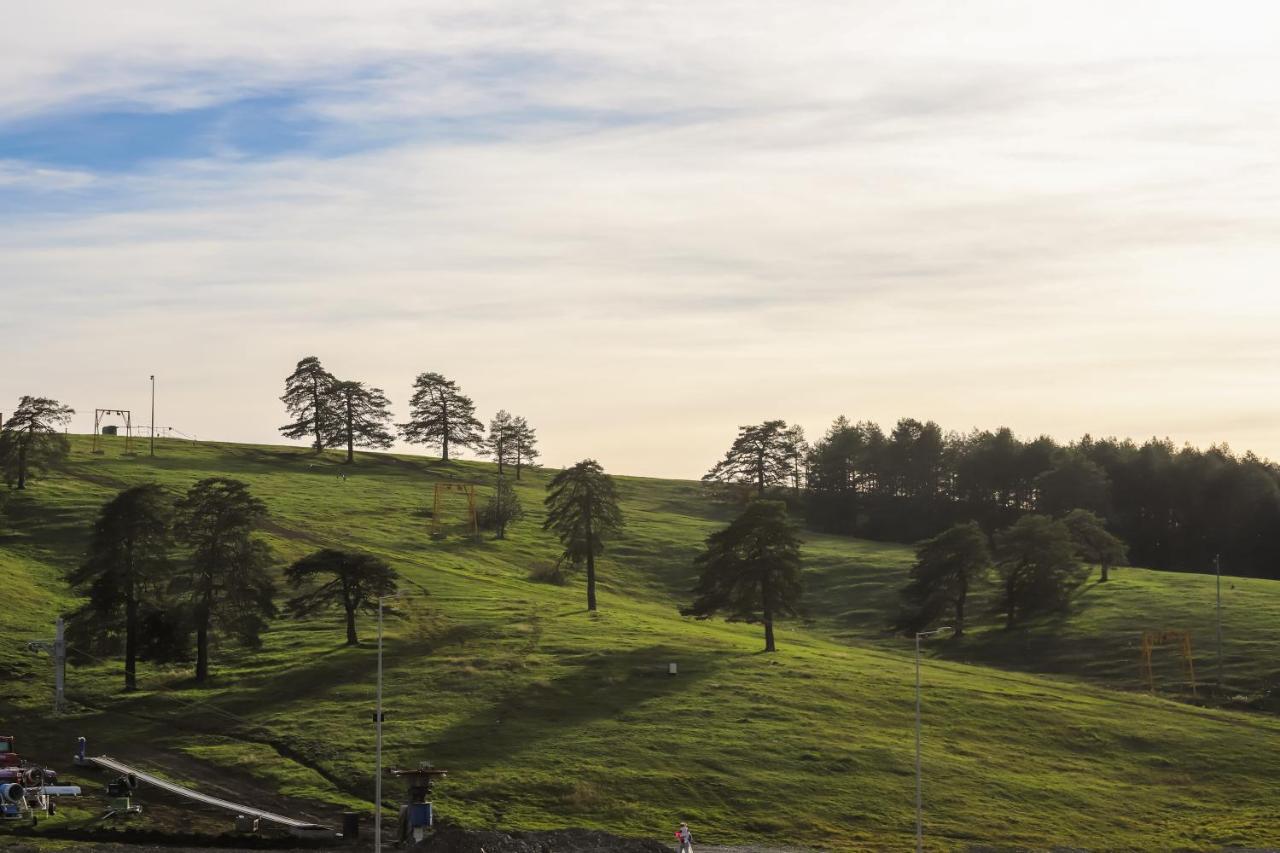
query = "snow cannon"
x=417 y=818
x=13 y=794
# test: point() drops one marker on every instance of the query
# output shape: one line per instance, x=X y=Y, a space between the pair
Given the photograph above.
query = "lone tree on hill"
x=227 y=584
x=751 y=569
x=30 y=442
x=356 y=582
x=526 y=445
x=502 y=508
x=582 y=508
x=126 y=564
x=946 y=568
x=362 y=418
x=501 y=441
x=762 y=455
x=1038 y=568
x=1094 y=543
x=441 y=415
x=308 y=397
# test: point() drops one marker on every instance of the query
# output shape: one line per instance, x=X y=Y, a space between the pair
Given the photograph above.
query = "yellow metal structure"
x=447 y=488
x=1182 y=639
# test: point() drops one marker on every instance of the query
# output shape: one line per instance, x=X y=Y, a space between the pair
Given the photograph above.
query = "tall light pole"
x=920 y=635
x=377 y=783
x=153 y=414
x=1217 y=570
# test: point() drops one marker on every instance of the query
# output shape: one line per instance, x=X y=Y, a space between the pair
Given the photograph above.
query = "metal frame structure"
x=98 y=415
x=445 y=488
x=1151 y=639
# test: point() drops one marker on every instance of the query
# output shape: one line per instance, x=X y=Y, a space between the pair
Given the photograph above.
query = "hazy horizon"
x=641 y=226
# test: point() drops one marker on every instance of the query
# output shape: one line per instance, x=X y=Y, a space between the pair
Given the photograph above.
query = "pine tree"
x=526 y=445
x=751 y=569
x=1094 y=543
x=501 y=443
x=582 y=508
x=761 y=456
x=361 y=418
x=309 y=398
x=1038 y=568
x=227 y=582
x=356 y=582
x=30 y=442
x=441 y=415
x=946 y=569
x=124 y=570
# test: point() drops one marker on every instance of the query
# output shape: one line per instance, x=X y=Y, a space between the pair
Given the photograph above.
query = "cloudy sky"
x=642 y=224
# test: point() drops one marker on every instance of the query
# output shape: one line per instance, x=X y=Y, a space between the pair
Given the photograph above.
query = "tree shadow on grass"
x=606 y=685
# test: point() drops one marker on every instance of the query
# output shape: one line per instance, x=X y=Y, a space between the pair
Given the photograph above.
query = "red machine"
x=25 y=789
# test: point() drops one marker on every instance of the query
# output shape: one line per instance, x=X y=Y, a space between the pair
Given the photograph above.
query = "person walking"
x=685 y=837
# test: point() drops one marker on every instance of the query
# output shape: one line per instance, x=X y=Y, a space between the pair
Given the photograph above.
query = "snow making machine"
x=27 y=790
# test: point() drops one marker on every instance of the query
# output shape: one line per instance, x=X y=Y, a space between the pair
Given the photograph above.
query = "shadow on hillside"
x=62 y=530
x=605 y=686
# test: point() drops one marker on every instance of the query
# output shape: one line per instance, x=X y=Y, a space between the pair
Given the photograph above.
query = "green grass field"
x=548 y=716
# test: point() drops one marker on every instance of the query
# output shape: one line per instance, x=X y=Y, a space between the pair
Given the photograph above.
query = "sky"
x=643 y=224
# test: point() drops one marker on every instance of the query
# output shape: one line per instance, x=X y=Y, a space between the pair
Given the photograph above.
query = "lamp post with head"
x=920 y=635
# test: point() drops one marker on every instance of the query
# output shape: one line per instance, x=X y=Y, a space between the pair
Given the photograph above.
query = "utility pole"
x=153 y=414
x=1217 y=570
x=919 y=774
x=58 y=651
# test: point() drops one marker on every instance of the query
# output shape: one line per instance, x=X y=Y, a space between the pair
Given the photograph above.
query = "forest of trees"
x=1175 y=508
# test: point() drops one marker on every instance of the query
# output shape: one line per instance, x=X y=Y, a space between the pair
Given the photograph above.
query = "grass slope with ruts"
x=548 y=716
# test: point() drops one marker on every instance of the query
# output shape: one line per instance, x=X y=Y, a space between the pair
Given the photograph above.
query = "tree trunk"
x=351 y=436
x=202 y=650
x=591 y=564
x=766 y=600
x=315 y=397
x=352 y=639
x=131 y=643
x=518 y=461
x=22 y=460
x=444 y=438
x=964 y=591
x=760 y=474
x=1106 y=572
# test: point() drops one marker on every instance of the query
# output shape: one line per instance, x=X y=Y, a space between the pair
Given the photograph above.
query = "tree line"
x=1176 y=508
x=330 y=412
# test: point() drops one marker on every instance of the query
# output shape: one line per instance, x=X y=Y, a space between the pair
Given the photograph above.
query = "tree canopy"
x=761 y=456
x=1094 y=543
x=355 y=582
x=124 y=573
x=750 y=570
x=582 y=510
x=946 y=569
x=30 y=443
x=1039 y=568
x=226 y=580
x=308 y=397
x=526 y=445
x=361 y=417
x=441 y=416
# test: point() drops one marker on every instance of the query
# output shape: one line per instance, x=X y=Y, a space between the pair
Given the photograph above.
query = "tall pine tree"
x=309 y=399
x=762 y=455
x=30 y=442
x=582 y=509
x=501 y=443
x=526 y=445
x=361 y=418
x=441 y=416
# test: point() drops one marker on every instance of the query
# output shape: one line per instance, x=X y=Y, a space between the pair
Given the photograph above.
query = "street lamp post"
x=919 y=776
x=377 y=784
x=153 y=414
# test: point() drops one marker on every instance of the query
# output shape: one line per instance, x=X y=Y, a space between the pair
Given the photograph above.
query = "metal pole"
x=919 y=807
x=1217 y=570
x=153 y=414
x=377 y=784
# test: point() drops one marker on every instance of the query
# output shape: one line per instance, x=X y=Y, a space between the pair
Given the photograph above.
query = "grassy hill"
x=550 y=716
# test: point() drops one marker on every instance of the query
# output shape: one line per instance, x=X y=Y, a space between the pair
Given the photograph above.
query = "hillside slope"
x=549 y=716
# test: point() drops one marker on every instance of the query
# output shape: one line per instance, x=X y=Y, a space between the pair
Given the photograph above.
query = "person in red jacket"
x=685 y=837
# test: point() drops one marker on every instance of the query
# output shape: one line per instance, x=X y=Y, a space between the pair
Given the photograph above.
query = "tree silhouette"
x=356 y=582
x=526 y=445
x=127 y=563
x=362 y=417
x=1038 y=568
x=308 y=397
x=1094 y=543
x=30 y=442
x=582 y=509
x=751 y=569
x=762 y=455
x=946 y=568
x=227 y=584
